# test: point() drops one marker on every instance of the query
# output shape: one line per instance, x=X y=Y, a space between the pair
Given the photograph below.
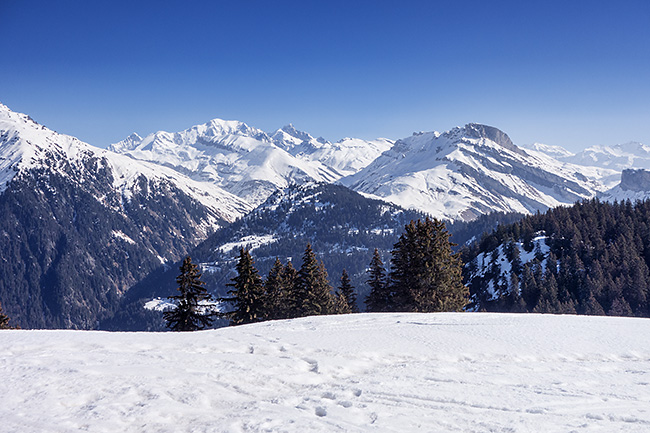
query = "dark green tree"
x=275 y=296
x=312 y=294
x=191 y=313
x=426 y=275
x=379 y=298
x=346 y=290
x=247 y=294
x=4 y=320
x=290 y=284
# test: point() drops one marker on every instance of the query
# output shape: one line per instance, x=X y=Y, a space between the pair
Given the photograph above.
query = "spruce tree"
x=189 y=314
x=275 y=293
x=313 y=293
x=289 y=282
x=4 y=320
x=379 y=298
x=347 y=291
x=426 y=275
x=247 y=293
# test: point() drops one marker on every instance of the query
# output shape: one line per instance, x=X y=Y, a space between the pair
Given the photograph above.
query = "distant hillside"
x=591 y=258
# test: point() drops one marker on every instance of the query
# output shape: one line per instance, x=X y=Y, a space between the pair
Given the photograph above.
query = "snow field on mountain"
x=448 y=372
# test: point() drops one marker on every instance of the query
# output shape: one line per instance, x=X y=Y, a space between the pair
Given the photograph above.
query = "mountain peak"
x=477 y=130
x=292 y=131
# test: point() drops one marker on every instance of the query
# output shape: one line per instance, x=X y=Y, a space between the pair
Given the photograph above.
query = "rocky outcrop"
x=635 y=180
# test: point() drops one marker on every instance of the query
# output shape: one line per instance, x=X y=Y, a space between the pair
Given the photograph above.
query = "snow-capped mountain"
x=242 y=160
x=346 y=157
x=26 y=146
x=248 y=162
x=556 y=152
x=473 y=170
x=623 y=162
x=80 y=225
x=619 y=157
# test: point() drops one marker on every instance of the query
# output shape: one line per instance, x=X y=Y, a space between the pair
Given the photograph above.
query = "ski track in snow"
x=447 y=372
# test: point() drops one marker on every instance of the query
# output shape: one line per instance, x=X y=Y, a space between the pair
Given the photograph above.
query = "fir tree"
x=347 y=291
x=4 y=320
x=312 y=290
x=426 y=275
x=341 y=304
x=379 y=298
x=189 y=314
x=289 y=281
x=247 y=293
x=275 y=293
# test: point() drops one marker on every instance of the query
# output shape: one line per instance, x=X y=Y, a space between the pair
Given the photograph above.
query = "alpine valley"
x=89 y=235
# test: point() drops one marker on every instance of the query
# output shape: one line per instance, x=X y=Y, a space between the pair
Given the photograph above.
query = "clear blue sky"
x=572 y=73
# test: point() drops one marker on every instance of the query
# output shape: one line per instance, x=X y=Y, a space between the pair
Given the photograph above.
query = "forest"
x=597 y=262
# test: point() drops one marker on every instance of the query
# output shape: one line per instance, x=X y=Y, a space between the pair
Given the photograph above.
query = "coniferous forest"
x=425 y=277
x=591 y=258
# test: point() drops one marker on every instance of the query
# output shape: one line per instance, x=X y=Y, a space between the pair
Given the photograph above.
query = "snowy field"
x=369 y=372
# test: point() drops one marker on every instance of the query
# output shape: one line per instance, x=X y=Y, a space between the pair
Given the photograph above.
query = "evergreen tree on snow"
x=312 y=290
x=275 y=296
x=189 y=314
x=379 y=298
x=346 y=290
x=426 y=275
x=247 y=293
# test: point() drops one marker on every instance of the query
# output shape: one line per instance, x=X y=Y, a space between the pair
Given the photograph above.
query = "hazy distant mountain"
x=618 y=157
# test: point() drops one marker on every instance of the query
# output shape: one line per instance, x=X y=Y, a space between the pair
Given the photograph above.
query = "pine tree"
x=341 y=304
x=189 y=314
x=347 y=291
x=4 y=320
x=289 y=281
x=247 y=293
x=313 y=293
x=426 y=275
x=275 y=293
x=379 y=298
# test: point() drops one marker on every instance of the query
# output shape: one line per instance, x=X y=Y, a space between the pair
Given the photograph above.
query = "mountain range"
x=81 y=226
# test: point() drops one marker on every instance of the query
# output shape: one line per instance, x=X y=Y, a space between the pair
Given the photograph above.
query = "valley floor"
x=466 y=372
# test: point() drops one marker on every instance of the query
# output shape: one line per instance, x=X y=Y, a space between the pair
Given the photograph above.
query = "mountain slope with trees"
x=591 y=258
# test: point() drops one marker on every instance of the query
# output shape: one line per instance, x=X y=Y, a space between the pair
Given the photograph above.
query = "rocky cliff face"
x=635 y=180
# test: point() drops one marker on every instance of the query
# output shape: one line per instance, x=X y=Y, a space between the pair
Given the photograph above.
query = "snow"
x=251 y=243
x=450 y=372
x=121 y=235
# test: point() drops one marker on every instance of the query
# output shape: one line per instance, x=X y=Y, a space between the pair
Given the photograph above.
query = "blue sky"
x=571 y=73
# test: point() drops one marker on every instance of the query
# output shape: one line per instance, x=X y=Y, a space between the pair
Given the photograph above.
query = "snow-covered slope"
x=25 y=145
x=473 y=170
x=232 y=155
x=367 y=372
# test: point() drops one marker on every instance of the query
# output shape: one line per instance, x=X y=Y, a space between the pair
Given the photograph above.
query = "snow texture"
x=450 y=372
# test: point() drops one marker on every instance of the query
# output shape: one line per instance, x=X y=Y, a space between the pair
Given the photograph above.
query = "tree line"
x=425 y=276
